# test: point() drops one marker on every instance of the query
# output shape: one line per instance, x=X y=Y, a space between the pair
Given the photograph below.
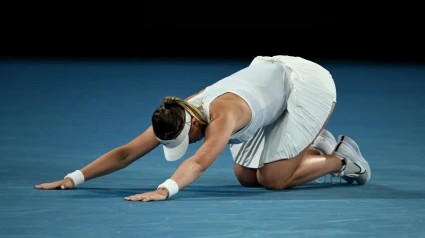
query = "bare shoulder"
x=194 y=95
x=233 y=107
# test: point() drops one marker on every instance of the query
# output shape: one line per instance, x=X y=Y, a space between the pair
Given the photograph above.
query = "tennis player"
x=271 y=114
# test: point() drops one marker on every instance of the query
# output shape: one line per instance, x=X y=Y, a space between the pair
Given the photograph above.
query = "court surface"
x=59 y=115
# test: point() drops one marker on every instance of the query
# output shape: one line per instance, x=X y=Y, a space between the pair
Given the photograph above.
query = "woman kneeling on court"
x=271 y=113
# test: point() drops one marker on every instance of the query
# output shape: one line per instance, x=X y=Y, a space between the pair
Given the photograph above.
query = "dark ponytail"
x=168 y=120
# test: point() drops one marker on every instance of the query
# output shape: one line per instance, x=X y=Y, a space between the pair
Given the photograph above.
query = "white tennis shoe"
x=355 y=167
x=325 y=143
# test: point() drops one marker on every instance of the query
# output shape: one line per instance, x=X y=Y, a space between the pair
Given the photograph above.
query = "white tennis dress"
x=290 y=99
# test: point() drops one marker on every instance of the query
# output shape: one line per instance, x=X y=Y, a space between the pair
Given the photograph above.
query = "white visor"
x=175 y=149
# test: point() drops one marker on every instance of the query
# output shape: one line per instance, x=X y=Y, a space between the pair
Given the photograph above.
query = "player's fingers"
x=39 y=186
x=67 y=184
x=154 y=197
x=137 y=197
x=52 y=185
x=147 y=199
x=42 y=186
x=48 y=185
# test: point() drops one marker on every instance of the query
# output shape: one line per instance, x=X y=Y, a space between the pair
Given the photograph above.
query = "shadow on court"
x=325 y=191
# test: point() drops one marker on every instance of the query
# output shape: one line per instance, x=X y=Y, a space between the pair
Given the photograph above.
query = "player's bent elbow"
x=196 y=166
x=200 y=167
x=124 y=156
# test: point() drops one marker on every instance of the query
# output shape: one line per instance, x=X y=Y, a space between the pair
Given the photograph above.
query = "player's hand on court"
x=157 y=195
x=62 y=184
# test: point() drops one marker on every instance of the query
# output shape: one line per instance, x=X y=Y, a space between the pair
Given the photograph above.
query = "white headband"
x=174 y=149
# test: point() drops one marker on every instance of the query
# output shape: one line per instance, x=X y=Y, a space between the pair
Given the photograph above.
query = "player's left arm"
x=217 y=135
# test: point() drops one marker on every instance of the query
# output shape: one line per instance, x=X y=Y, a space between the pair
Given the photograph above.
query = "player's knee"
x=273 y=185
x=249 y=184
x=247 y=177
x=271 y=182
x=247 y=180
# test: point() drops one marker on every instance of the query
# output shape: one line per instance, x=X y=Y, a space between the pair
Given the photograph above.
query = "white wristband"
x=171 y=186
x=77 y=176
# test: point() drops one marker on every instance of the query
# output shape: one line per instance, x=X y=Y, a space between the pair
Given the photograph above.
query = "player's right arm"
x=112 y=161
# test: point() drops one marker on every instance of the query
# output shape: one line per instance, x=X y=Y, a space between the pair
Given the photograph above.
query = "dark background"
x=313 y=29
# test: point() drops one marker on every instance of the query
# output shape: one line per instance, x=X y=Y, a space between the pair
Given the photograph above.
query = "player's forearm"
x=188 y=172
x=110 y=162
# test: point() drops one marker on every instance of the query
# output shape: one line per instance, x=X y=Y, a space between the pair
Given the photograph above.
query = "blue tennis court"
x=59 y=115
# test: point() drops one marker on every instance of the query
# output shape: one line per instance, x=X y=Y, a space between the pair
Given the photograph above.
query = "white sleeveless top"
x=265 y=88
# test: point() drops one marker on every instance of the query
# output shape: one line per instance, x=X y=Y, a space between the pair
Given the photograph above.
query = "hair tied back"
x=169 y=102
